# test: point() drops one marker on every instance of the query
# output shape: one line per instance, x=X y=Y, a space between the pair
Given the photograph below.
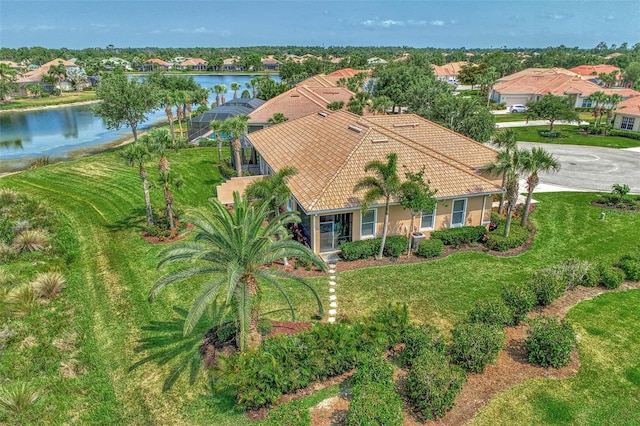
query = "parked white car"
x=518 y=108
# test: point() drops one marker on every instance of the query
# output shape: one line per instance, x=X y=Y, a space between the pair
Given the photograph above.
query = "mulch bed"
x=176 y=235
x=602 y=204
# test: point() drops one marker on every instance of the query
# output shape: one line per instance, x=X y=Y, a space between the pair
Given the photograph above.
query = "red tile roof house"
x=232 y=64
x=448 y=72
x=35 y=76
x=533 y=83
x=628 y=115
x=592 y=72
x=155 y=64
x=195 y=64
x=270 y=63
x=330 y=150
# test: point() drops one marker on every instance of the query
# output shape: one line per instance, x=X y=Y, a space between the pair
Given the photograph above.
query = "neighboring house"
x=592 y=72
x=297 y=102
x=200 y=126
x=404 y=57
x=232 y=64
x=116 y=62
x=155 y=64
x=448 y=72
x=376 y=61
x=293 y=58
x=13 y=65
x=271 y=63
x=195 y=64
x=628 y=115
x=533 y=83
x=331 y=80
x=35 y=76
x=330 y=151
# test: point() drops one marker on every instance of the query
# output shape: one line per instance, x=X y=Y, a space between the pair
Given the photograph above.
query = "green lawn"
x=571 y=136
x=66 y=98
x=106 y=295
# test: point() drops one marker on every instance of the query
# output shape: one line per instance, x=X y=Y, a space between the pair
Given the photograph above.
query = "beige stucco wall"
x=617 y=122
x=224 y=192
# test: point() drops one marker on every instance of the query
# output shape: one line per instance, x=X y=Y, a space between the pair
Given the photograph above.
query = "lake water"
x=67 y=132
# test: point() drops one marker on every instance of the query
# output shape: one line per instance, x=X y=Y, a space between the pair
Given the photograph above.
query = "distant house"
x=376 y=61
x=628 y=115
x=448 y=72
x=115 y=62
x=232 y=64
x=591 y=72
x=155 y=64
x=270 y=63
x=12 y=65
x=330 y=150
x=195 y=64
x=331 y=80
x=35 y=76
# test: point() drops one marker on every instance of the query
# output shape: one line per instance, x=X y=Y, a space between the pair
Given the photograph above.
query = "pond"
x=72 y=131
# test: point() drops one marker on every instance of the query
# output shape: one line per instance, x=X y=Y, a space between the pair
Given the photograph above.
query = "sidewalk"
x=536 y=123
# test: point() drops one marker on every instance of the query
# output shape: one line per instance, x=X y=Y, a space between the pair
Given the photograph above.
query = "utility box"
x=416 y=237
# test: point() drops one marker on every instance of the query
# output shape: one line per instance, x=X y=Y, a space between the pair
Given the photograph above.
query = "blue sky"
x=425 y=23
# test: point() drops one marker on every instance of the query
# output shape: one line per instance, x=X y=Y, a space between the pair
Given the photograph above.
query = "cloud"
x=43 y=28
x=389 y=23
x=200 y=30
x=437 y=23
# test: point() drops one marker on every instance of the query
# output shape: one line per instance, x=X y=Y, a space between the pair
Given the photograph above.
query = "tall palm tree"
x=380 y=104
x=179 y=100
x=59 y=72
x=236 y=128
x=385 y=184
x=612 y=102
x=137 y=154
x=509 y=164
x=160 y=142
x=223 y=90
x=218 y=89
x=167 y=101
x=231 y=249
x=216 y=126
x=598 y=98
x=539 y=160
x=169 y=182
x=505 y=139
x=253 y=85
x=235 y=87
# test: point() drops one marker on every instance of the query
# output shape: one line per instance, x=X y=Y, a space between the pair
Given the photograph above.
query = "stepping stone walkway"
x=333 y=305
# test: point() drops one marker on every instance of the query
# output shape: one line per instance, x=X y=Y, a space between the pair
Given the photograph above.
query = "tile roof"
x=300 y=101
x=320 y=80
x=629 y=107
x=36 y=75
x=452 y=68
x=541 y=81
x=594 y=70
x=330 y=150
x=193 y=61
x=347 y=73
x=158 y=61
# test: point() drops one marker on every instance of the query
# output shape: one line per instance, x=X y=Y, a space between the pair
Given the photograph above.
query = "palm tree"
x=231 y=249
x=598 y=98
x=179 y=100
x=612 y=102
x=223 y=90
x=417 y=196
x=358 y=103
x=216 y=126
x=253 y=85
x=167 y=101
x=380 y=104
x=537 y=161
x=136 y=154
x=168 y=182
x=506 y=140
x=218 y=89
x=385 y=184
x=235 y=87
x=59 y=72
x=159 y=142
x=236 y=128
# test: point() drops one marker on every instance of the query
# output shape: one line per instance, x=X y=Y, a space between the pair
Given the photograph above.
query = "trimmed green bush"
x=433 y=384
x=395 y=245
x=361 y=249
x=226 y=170
x=418 y=339
x=548 y=285
x=550 y=342
x=457 y=237
x=624 y=134
x=611 y=277
x=593 y=275
x=491 y=312
x=373 y=369
x=498 y=242
x=292 y=413
x=476 y=345
x=519 y=299
x=374 y=404
x=630 y=264
x=430 y=248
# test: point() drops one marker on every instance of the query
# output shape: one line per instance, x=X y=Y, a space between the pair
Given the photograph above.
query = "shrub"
x=418 y=339
x=430 y=248
x=611 y=277
x=374 y=404
x=21 y=300
x=225 y=332
x=490 y=312
x=476 y=345
x=207 y=143
x=8 y=196
x=31 y=240
x=226 y=171
x=293 y=413
x=373 y=369
x=519 y=299
x=48 y=284
x=395 y=245
x=361 y=249
x=17 y=397
x=550 y=342
x=548 y=284
x=593 y=275
x=432 y=384
x=265 y=326
x=496 y=240
x=630 y=264
x=459 y=236
x=624 y=134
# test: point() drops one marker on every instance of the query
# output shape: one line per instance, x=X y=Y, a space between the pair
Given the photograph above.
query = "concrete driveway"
x=588 y=168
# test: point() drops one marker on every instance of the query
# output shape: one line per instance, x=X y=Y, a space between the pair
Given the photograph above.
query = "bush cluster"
x=285 y=363
x=206 y=143
x=496 y=240
x=418 y=339
x=433 y=384
x=226 y=170
x=395 y=245
x=519 y=299
x=548 y=285
x=491 y=312
x=611 y=277
x=476 y=345
x=364 y=249
x=624 y=134
x=630 y=264
x=374 y=400
x=457 y=237
x=430 y=248
x=550 y=342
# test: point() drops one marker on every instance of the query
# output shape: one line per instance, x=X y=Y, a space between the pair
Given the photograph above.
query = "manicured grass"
x=108 y=284
x=606 y=389
x=571 y=136
x=66 y=98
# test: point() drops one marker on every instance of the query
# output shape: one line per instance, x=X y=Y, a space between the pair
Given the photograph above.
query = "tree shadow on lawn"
x=136 y=219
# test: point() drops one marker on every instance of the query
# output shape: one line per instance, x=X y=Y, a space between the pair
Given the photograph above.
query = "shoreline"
x=45 y=107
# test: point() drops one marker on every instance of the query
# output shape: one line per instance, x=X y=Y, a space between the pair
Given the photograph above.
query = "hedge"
x=550 y=342
x=460 y=236
x=519 y=299
x=476 y=345
x=491 y=312
x=498 y=242
x=430 y=248
x=624 y=134
x=418 y=339
x=364 y=249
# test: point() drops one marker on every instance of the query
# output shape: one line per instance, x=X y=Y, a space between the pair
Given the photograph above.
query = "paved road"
x=588 y=168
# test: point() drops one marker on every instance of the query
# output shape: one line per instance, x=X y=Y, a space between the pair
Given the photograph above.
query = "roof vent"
x=322 y=114
x=405 y=124
x=379 y=140
x=355 y=129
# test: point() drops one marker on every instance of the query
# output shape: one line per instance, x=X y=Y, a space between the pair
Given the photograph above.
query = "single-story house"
x=448 y=72
x=330 y=150
x=628 y=115
x=592 y=72
x=35 y=76
x=232 y=64
x=533 y=83
x=155 y=64
x=331 y=79
x=196 y=64
x=201 y=125
x=376 y=61
x=271 y=63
